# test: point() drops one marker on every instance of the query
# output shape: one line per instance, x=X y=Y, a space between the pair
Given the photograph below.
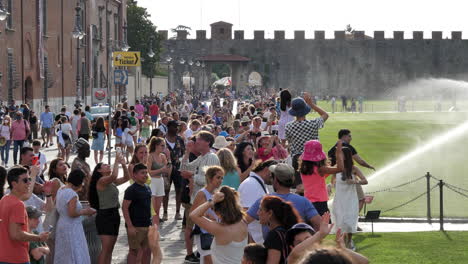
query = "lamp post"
x=110 y=50
x=78 y=34
x=3 y=12
x=125 y=47
x=151 y=55
x=190 y=63
x=168 y=60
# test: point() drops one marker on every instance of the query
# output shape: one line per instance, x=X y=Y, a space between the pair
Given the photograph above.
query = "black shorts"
x=176 y=178
x=321 y=207
x=108 y=222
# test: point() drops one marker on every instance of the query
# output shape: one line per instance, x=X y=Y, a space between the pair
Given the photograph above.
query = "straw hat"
x=220 y=142
x=245 y=119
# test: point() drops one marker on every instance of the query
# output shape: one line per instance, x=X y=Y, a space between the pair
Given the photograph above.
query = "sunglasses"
x=26 y=180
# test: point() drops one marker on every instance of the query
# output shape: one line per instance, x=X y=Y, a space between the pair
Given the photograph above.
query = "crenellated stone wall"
x=349 y=64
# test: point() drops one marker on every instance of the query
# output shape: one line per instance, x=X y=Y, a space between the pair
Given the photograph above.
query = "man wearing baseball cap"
x=283 y=180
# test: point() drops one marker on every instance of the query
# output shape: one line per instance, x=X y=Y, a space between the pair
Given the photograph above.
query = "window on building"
x=46 y=79
x=116 y=27
x=59 y=50
x=44 y=16
x=221 y=30
x=95 y=70
x=9 y=22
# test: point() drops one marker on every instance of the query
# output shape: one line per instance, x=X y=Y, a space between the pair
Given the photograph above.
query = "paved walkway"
x=172 y=237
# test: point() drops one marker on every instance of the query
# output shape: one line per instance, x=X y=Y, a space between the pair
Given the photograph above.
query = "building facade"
x=39 y=58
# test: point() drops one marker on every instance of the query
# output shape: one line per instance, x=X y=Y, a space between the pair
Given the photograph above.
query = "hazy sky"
x=328 y=15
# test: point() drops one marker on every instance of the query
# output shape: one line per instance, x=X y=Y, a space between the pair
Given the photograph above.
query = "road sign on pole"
x=121 y=77
x=126 y=58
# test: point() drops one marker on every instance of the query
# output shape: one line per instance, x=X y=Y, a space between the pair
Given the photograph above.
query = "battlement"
x=224 y=32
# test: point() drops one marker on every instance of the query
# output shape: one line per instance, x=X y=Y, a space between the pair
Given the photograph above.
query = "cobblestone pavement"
x=171 y=241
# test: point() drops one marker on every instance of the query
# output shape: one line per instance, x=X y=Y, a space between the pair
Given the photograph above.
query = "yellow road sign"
x=126 y=58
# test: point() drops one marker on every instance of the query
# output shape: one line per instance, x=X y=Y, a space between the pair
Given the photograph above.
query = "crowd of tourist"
x=250 y=176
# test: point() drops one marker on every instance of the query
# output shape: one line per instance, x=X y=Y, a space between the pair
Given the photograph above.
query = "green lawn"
x=381 y=138
x=414 y=248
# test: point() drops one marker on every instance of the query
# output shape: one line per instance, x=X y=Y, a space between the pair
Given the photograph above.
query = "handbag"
x=64 y=135
x=206 y=240
x=95 y=134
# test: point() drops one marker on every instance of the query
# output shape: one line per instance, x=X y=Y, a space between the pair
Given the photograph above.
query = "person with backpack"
x=65 y=136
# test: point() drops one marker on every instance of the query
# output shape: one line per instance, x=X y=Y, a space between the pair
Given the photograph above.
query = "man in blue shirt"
x=283 y=180
x=47 y=123
x=88 y=113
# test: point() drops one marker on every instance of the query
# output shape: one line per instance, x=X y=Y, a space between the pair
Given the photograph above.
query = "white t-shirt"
x=128 y=137
x=250 y=190
x=5 y=132
x=42 y=159
x=267 y=114
x=39 y=204
x=66 y=128
x=188 y=133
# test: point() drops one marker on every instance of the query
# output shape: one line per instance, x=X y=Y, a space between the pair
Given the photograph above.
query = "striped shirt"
x=198 y=168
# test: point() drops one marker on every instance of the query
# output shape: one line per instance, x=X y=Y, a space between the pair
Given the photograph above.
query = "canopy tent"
x=225 y=81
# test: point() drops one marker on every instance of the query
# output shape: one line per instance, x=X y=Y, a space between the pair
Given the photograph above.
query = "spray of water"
x=431 y=88
x=436 y=142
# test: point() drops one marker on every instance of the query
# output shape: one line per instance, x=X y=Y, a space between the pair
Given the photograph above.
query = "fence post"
x=428 y=189
x=441 y=217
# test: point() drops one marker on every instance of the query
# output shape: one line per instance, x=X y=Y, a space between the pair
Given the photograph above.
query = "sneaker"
x=165 y=216
x=178 y=217
x=352 y=246
x=191 y=259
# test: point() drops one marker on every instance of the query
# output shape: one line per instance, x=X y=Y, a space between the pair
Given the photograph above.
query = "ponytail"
x=284 y=212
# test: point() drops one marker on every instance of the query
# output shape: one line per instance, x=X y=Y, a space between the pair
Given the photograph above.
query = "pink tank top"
x=315 y=189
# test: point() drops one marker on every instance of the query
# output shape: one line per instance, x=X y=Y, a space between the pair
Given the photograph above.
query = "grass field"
x=381 y=138
x=414 y=248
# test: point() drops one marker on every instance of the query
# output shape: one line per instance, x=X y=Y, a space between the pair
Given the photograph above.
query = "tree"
x=140 y=30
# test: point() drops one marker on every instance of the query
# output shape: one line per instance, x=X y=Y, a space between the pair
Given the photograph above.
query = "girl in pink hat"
x=314 y=170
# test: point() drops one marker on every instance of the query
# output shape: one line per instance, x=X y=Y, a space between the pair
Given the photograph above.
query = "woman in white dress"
x=70 y=240
x=346 y=204
x=285 y=117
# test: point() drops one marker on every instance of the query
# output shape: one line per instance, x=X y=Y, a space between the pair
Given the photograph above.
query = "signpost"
x=121 y=77
x=126 y=58
x=121 y=59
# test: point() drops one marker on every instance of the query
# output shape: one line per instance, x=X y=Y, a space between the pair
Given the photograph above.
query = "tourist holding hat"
x=302 y=130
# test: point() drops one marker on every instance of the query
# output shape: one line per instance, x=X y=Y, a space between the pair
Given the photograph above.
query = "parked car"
x=100 y=111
